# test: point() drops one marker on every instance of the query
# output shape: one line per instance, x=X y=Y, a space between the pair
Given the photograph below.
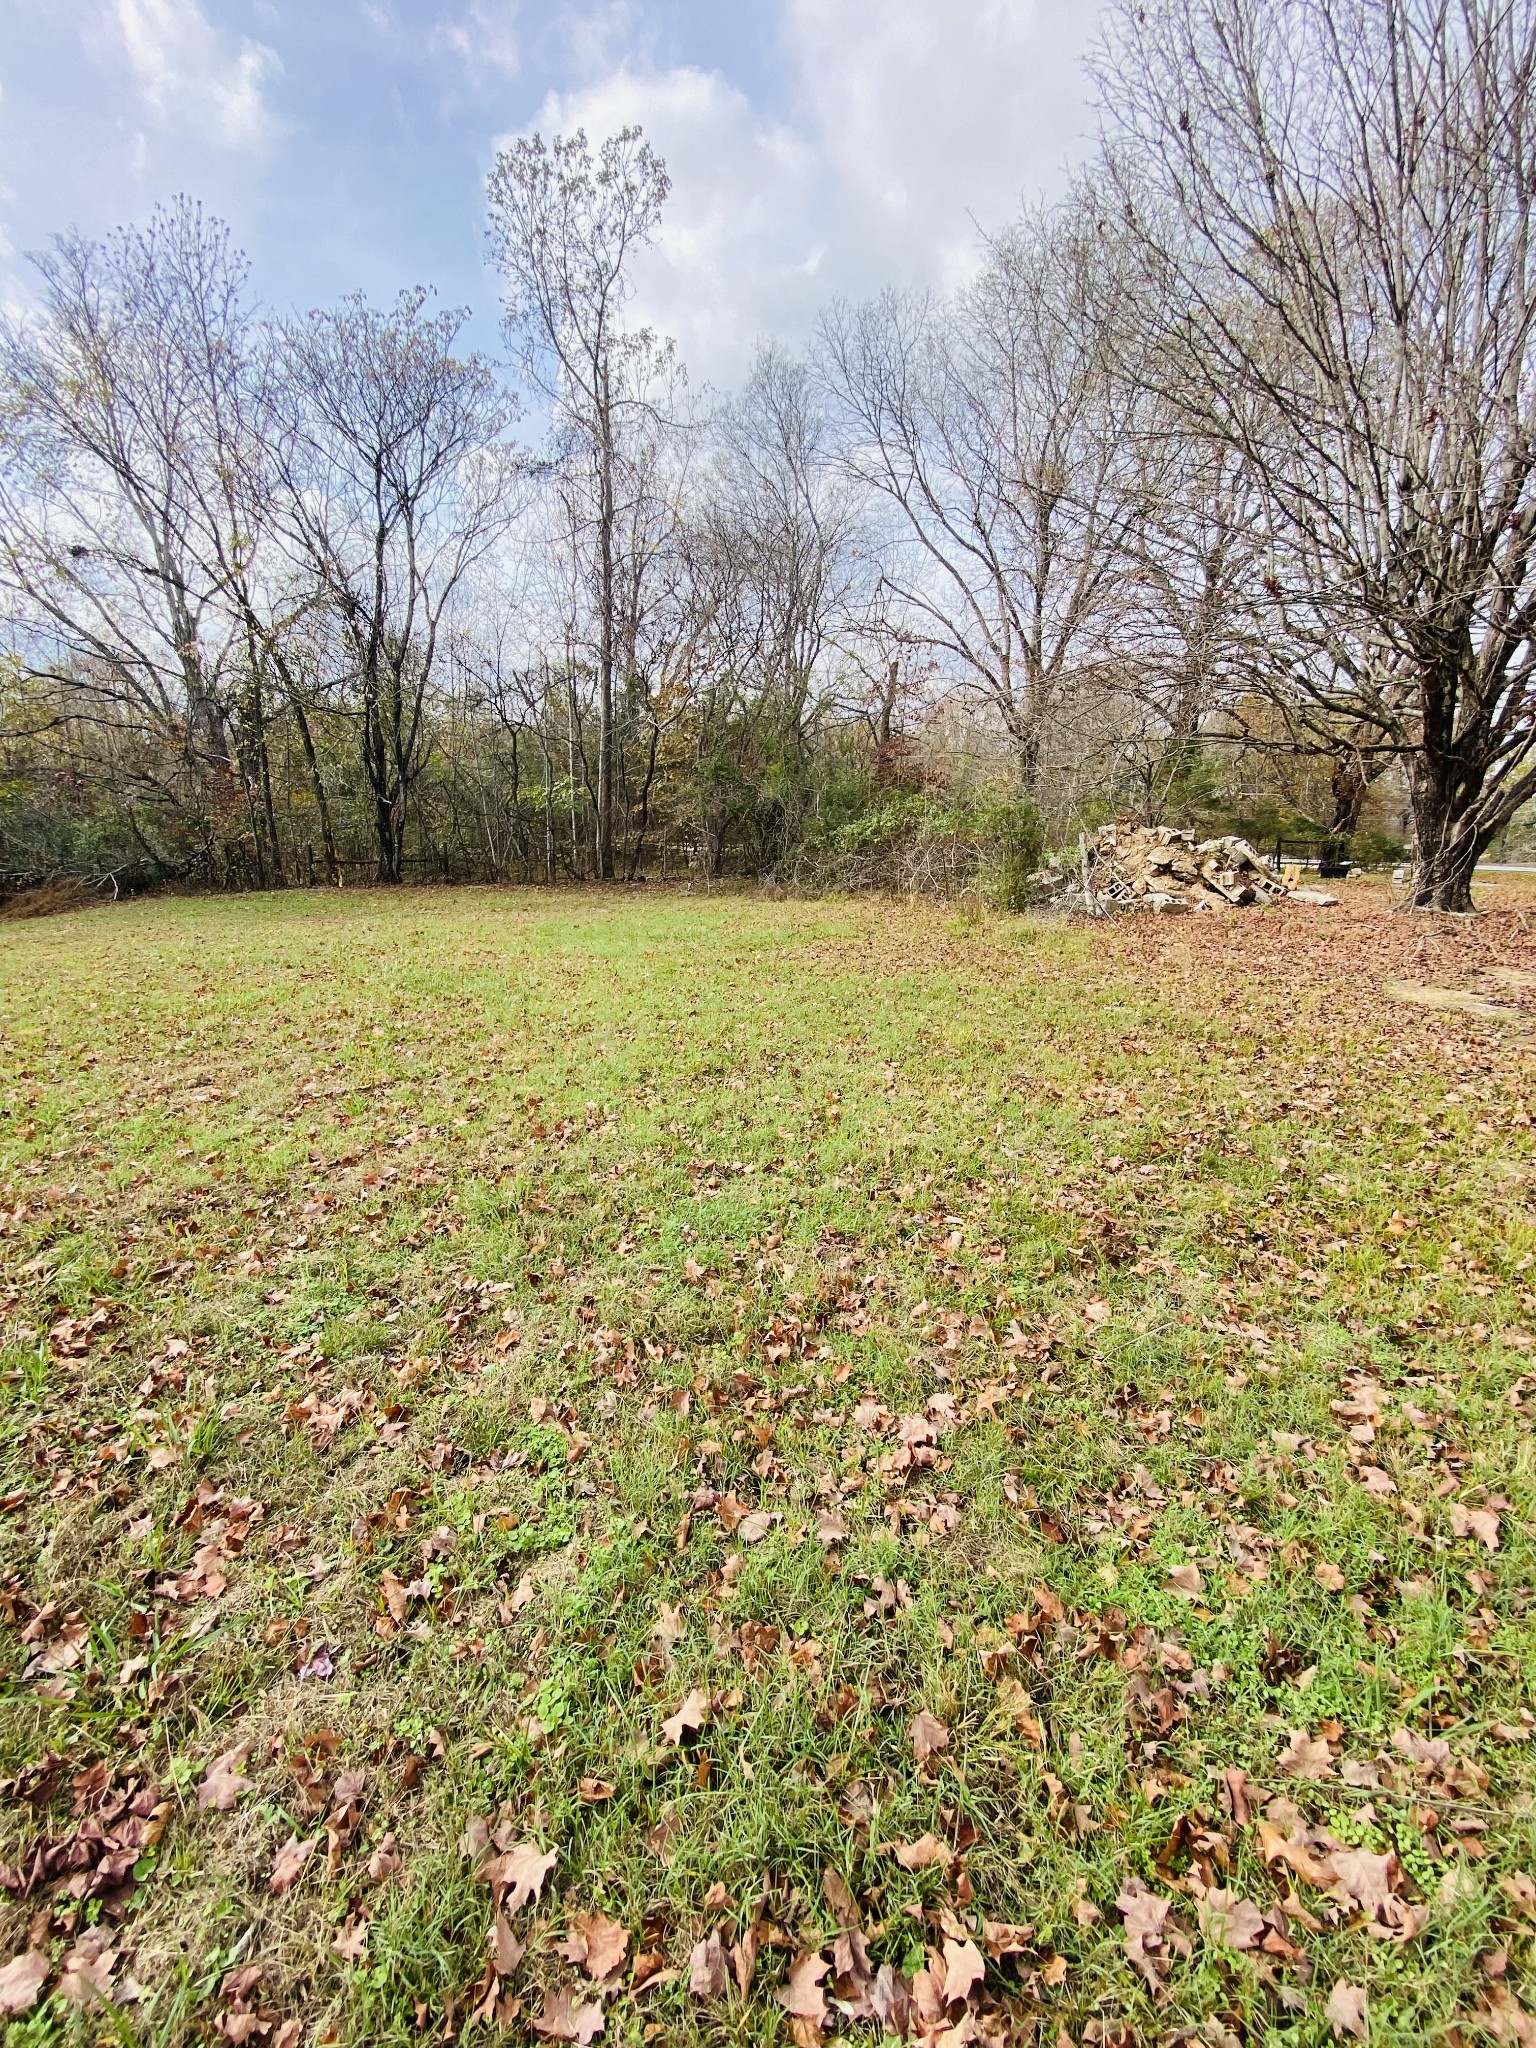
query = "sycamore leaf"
x=1366 y=1878
x=964 y=1969
x=1228 y=1921
x=351 y=1942
x=602 y=1943
x=1346 y=2010
x=1481 y=1523
x=929 y=1736
x=290 y=1862
x=563 y=2020
x=706 y=1969
x=689 y=1718
x=222 y=1782
x=22 y=1979
x=521 y=1872
x=800 y=1994
x=922 y=1854
x=506 y=1949
x=1305 y=1756
x=845 y=1907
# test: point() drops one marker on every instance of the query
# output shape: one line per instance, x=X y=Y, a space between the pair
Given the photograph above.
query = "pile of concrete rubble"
x=1151 y=867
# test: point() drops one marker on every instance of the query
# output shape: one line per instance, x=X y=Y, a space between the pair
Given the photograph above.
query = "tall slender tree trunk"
x=322 y=801
x=605 y=666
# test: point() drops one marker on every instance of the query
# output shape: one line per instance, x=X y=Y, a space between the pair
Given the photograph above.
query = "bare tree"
x=112 y=549
x=397 y=481
x=995 y=432
x=564 y=230
x=1341 y=195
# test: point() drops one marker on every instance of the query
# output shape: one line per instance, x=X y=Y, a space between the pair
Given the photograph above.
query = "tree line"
x=1213 y=486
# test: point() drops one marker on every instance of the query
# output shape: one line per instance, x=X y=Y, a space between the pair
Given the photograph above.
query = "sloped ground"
x=723 y=1471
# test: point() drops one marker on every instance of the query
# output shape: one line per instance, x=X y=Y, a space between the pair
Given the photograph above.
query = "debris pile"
x=1152 y=867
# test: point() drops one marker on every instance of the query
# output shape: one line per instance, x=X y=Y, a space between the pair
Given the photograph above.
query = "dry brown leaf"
x=1365 y=1877
x=929 y=1736
x=1328 y=1576
x=506 y=1949
x=222 y=1781
x=922 y=1854
x=22 y=1980
x=351 y=1942
x=845 y=1907
x=1481 y=1523
x=396 y=1599
x=706 y=1969
x=290 y=1862
x=800 y=1994
x=521 y=1873
x=1346 y=2011
x=1228 y=1921
x=1186 y=1580
x=689 y=1718
x=1305 y=1756
x=1014 y=1701
x=603 y=1944
x=964 y=1968
x=563 y=2020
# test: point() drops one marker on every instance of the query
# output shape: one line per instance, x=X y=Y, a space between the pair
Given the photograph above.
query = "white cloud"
x=190 y=76
x=483 y=37
x=906 y=120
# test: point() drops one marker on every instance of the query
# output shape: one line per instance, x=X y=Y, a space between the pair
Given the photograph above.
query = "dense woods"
x=1209 y=498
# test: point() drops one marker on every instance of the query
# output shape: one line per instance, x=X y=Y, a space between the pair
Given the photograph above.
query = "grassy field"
x=717 y=1470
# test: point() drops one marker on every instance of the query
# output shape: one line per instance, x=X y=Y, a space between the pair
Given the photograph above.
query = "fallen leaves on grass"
x=1480 y=1523
x=922 y=1854
x=1228 y=1921
x=519 y=1874
x=1151 y=1938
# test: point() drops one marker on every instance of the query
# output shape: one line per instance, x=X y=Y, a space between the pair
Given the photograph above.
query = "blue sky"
x=818 y=147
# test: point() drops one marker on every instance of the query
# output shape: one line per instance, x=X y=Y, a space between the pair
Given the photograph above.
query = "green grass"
x=583 y=1225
